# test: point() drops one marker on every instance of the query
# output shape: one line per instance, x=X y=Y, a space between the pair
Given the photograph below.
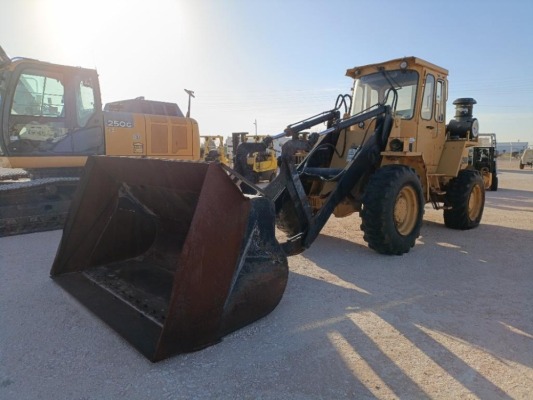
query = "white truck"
x=526 y=158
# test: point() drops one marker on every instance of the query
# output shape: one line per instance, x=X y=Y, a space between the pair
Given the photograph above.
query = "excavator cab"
x=51 y=120
x=49 y=110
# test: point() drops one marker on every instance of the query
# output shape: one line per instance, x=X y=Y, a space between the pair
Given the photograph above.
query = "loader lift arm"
x=288 y=186
x=329 y=117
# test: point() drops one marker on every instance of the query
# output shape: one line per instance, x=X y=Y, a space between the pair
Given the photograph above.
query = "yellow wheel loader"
x=51 y=119
x=174 y=255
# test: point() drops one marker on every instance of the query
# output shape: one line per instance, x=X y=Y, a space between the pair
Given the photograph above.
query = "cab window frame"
x=440 y=100
x=428 y=98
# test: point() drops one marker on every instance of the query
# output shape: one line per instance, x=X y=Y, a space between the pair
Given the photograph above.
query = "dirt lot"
x=451 y=319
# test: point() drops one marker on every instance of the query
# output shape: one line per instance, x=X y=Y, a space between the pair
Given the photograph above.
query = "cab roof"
x=410 y=62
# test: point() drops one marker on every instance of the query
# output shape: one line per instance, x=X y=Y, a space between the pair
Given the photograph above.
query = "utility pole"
x=255 y=123
x=191 y=94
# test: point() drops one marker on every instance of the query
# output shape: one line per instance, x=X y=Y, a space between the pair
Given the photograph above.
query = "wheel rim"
x=406 y=210
x=474 y=202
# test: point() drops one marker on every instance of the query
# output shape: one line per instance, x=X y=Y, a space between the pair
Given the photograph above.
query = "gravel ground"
x=451 y=319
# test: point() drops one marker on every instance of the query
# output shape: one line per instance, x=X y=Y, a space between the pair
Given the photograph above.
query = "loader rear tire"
x=393 y=208
x=494 y=184
x=466 y=198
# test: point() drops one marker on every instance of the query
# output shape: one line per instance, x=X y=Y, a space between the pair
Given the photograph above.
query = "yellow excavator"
x=175 y=255
x=51 y=120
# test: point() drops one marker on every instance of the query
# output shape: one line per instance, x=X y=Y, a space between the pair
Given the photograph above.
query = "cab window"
x=371 y=90
x=84 y=101
x=427 y=98
x=37 y=112
x=440 y=105
x=39 y=96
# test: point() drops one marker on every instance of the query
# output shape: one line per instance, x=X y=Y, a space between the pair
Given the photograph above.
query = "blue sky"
x=279 y=61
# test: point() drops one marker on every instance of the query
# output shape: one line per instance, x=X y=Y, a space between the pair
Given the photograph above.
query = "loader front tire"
x=393 y=208
x=465 y=198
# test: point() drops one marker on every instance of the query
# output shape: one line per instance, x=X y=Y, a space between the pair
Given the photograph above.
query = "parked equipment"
x=212 y=149
x=483 y=159
x=255 y=157
x=526 y=158
x=51 y=119
x=174 y=255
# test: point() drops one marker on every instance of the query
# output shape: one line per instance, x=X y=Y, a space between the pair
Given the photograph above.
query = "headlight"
x=396 y=145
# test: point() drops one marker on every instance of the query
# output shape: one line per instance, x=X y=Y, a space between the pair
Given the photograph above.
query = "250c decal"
x=113 y=123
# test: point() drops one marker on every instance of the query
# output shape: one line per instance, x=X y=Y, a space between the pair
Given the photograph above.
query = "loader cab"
x=371 y=90
x=416 y=90
x=49 y=110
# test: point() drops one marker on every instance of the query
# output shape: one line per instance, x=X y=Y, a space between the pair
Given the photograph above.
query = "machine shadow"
x=525 y=171
x=469 y=300
x=510 y=200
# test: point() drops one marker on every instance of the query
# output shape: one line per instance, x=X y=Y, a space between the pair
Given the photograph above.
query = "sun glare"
x=88 y=33
x=139 y=48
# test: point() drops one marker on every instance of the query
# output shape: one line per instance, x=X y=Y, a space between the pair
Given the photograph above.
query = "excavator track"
x=35 y=205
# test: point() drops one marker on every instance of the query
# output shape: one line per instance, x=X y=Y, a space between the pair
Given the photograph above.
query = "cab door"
x=431 y=127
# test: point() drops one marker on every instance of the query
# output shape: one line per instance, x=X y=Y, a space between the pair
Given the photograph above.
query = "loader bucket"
x=170 y=254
